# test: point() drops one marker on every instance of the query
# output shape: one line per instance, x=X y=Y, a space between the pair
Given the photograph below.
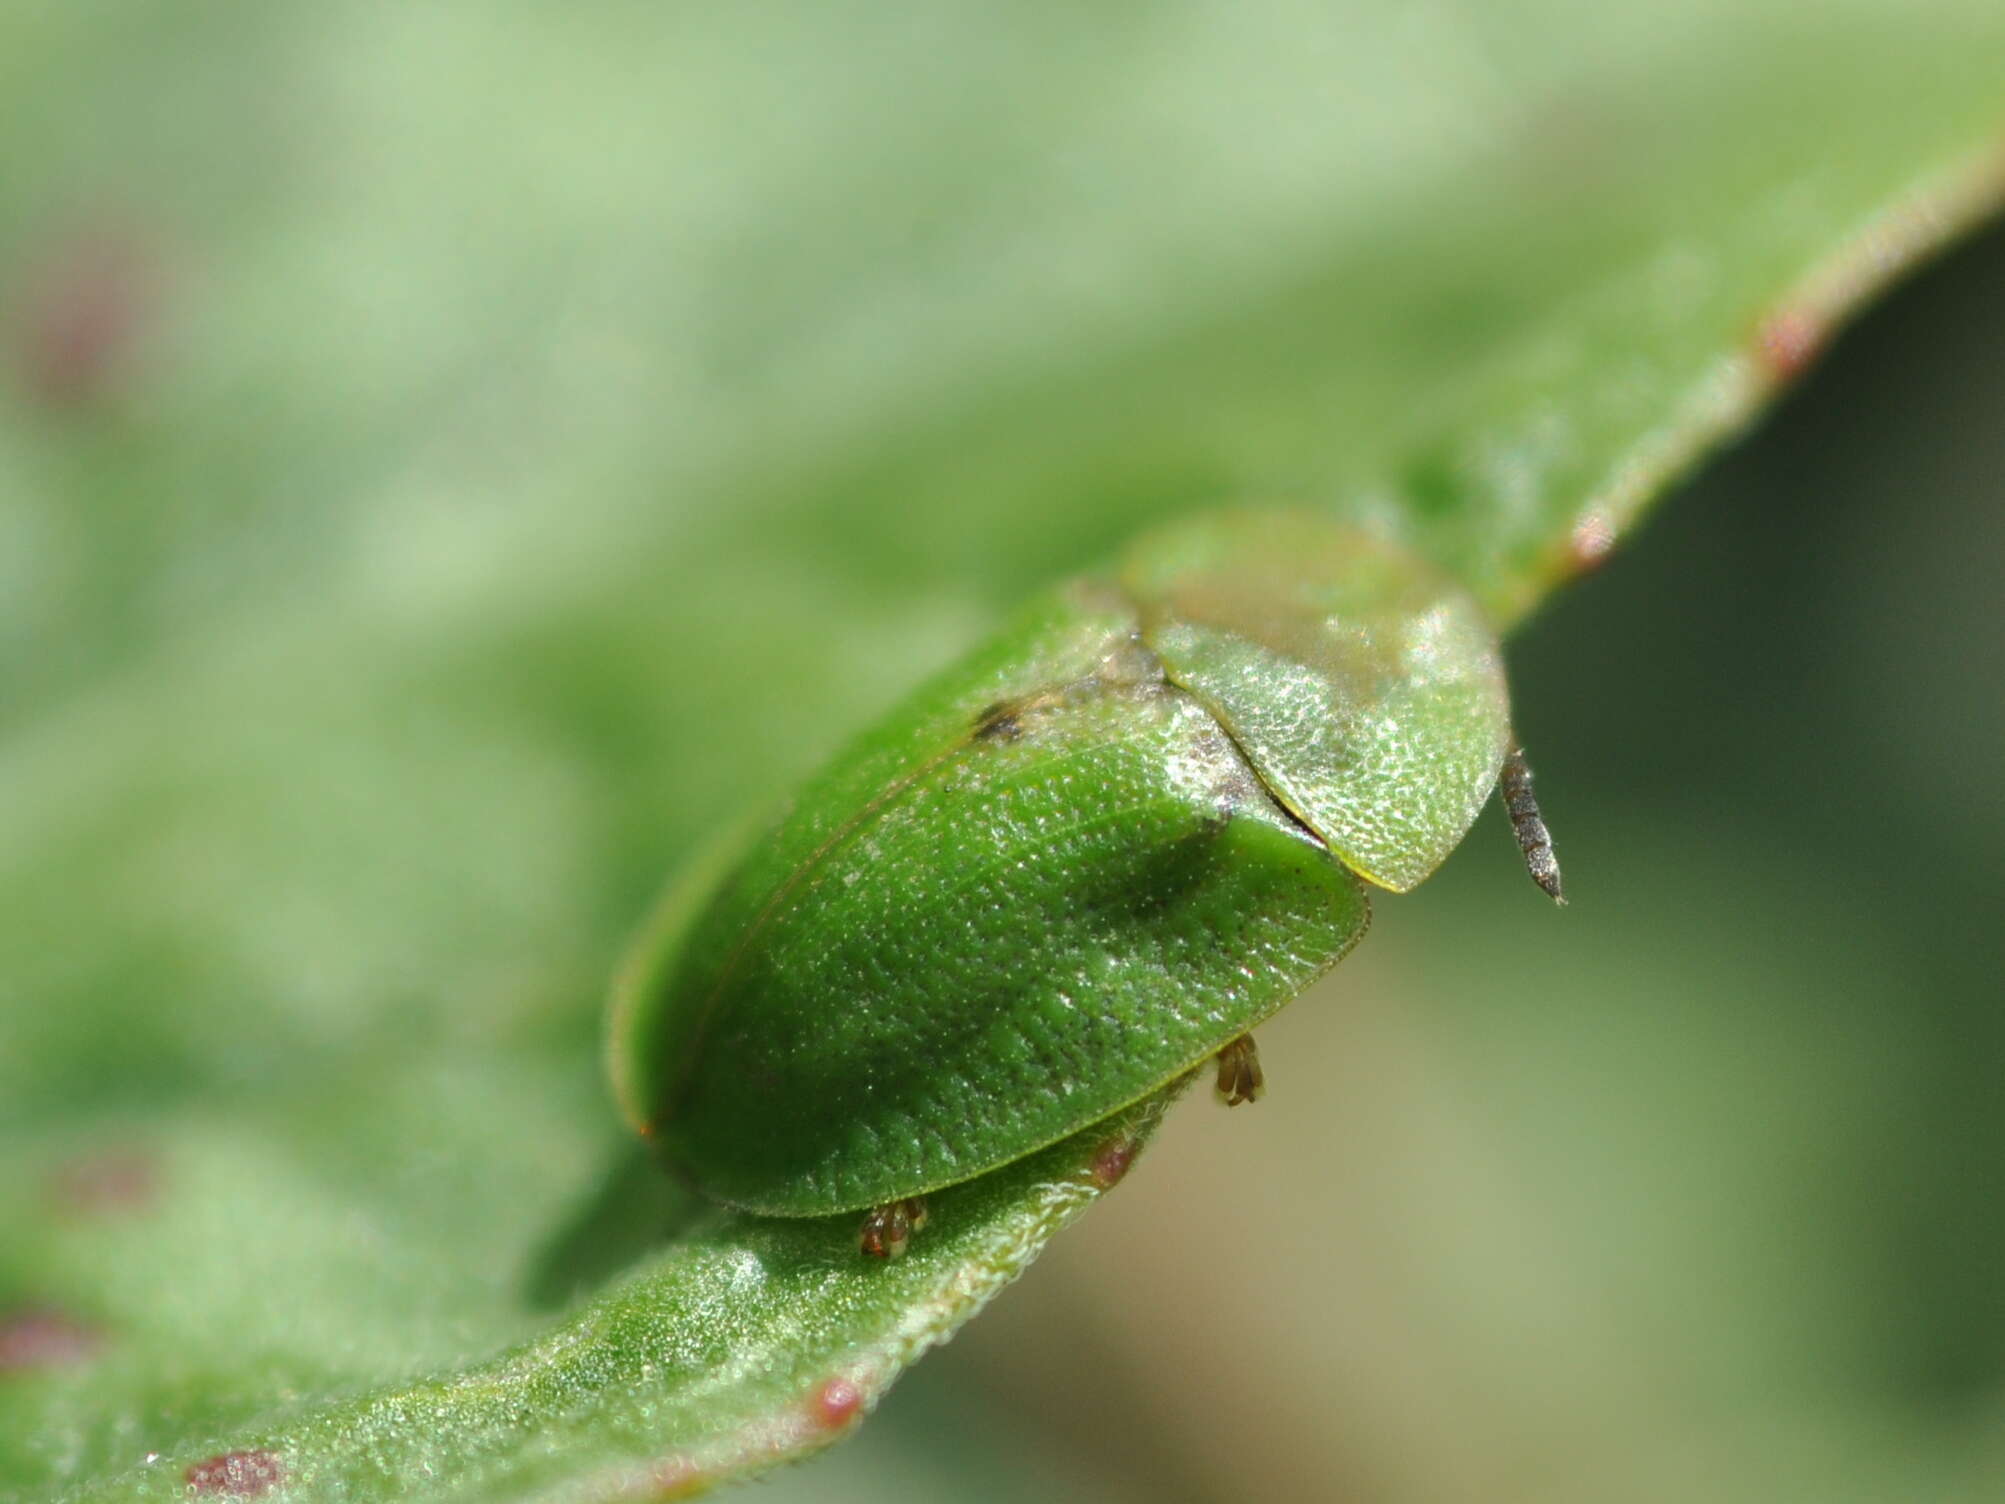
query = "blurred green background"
x=1696 y=1189
x=450 y=455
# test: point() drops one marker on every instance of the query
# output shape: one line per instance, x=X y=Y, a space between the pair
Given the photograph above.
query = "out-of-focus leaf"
x=450 y=454
x=738 y=1343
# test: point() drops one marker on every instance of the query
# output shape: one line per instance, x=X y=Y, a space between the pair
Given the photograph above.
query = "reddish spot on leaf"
x=1788 y=341
x=105 y=1184
x=38 y=1337
x=836 y=1403
x=242 y=1475
x=1112 y=1160
x=83 y=317
x=1589 y=543
x=675 y=1478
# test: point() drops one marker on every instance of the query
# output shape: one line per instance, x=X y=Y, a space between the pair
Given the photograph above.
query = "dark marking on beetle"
x=888 y=1229
x=37 y=1337
x=836 y=1404
x=1240 y=1079
x=1788 y=342
x=107 y=1184
x=1000 y=722
x=1112 y=1161
x=241 y=1475
x=1219 y=816
x=1534 y=840
x=1120 y=673
x=1170 y=879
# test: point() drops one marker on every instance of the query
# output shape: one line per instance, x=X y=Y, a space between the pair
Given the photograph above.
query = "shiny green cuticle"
x=1068 y=871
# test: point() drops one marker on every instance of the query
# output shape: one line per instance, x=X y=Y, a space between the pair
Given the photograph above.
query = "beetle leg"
x=885 y=1232
x=1240 y=1078
x=1534 y=840
x=888 y=1229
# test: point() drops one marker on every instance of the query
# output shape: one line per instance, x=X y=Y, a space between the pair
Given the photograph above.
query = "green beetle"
x=1076 y=866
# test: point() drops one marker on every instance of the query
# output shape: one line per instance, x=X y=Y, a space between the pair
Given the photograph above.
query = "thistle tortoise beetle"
x=1077 y=865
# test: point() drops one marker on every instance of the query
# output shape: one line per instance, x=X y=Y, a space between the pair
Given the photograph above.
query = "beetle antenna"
x=1533 y=838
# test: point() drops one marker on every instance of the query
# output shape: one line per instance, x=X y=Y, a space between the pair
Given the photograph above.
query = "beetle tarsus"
x=1240 y=1078
x=888 y=1229
x=1534 y=840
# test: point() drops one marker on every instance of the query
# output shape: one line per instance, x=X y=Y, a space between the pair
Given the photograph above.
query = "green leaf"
x=451 y=455
x=740 y=1342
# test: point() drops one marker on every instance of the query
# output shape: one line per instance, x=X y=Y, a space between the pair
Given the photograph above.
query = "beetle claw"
x=888 y=1229
x=1240 y=1078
